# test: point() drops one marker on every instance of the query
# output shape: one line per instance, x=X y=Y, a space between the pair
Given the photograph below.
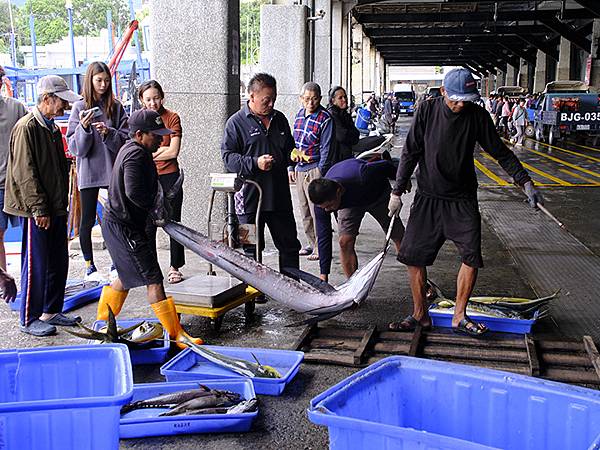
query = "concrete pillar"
x=200 y=78
x=380 y=73
x=283 y=31
x=523 y=76
x=500 y=79
x=594 y=78
x=563 y=70
x=366 y=63
x=323 y=37
x=338 y=37
x=357 y=62
x=539 y=80
x=346 y=54
x=510 y=78
x=373 y=66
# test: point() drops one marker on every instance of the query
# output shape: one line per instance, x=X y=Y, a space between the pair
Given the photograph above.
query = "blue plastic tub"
x=77 y=300
x=409 y=403
x=444 y=319
x=189 y=366
x=363 y=117
x=155 y=355
x=145 y=422
x=63 y=398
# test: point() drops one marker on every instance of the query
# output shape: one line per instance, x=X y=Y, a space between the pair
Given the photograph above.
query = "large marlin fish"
x=310 y=295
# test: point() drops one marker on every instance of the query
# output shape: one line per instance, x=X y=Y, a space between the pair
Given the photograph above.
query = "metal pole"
x=138 y=50
x=13 y=46
x=111 y=44
x=33 y=41
x=69 y=6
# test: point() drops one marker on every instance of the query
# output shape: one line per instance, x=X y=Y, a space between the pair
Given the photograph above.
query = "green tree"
x=250 y=30
x=51 y=19
x=5 y=25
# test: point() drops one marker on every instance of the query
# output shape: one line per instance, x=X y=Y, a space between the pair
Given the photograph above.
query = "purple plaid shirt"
x=313 y=135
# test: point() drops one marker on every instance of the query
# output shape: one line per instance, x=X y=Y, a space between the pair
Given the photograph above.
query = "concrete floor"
x=282 y=422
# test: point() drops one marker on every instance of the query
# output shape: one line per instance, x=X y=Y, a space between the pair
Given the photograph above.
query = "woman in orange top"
x=152 y=97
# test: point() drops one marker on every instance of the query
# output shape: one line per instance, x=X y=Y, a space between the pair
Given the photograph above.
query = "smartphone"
x=97 y=112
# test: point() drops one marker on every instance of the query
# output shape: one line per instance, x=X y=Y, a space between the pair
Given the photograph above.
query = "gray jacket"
x=95 y=153
x=11 y=110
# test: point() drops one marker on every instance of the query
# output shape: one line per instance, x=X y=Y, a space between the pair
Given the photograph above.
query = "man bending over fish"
x=441 y=141
x=352 y=187
x=132 y=190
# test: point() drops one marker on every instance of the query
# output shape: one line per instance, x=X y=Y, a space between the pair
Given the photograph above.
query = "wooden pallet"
x=576 y=362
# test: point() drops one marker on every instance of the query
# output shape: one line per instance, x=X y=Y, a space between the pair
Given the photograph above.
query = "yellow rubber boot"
x=113 y=298
x=166 y=313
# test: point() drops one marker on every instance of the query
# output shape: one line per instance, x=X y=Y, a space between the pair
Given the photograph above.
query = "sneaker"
x=39 y=328
x=305 y=251
x=92 y=274
x=63 y=320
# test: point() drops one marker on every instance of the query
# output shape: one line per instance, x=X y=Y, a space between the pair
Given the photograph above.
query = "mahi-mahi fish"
x=311 y=295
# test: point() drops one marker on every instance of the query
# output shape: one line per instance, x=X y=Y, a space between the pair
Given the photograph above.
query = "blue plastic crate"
x=155 y=355
x=189 y=366
x=63 y=398
x=77 y=300
x=444 y=319
x=145 y=422
x=409 y=403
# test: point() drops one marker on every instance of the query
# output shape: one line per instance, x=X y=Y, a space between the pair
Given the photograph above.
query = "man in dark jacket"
x=131 y=195
x=352 y=187
x=257 y=144
x=37 y=190
x=441 y=141
x=346 y=133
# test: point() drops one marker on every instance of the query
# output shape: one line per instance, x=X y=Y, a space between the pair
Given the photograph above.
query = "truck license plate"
x=583 y=127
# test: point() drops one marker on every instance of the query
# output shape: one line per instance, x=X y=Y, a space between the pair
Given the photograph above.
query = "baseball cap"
x=147 y=121
x=461 y=86
x=53 y=84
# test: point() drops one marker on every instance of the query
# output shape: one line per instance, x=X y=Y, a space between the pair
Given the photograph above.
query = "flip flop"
x=409 y=323
x=470 y=328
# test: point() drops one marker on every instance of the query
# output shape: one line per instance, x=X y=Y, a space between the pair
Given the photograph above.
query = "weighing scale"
x=211 y=295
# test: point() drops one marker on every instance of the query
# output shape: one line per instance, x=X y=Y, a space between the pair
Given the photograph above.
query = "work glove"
x=533 y=195
x=394 y=205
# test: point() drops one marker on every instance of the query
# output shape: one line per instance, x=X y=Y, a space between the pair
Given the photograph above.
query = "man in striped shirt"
x=313 y=135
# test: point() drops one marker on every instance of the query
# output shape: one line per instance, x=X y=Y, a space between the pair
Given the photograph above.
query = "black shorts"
x=432 y=221
x=133 y=255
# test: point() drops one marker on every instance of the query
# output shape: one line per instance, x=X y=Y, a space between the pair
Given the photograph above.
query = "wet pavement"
x=571 y=186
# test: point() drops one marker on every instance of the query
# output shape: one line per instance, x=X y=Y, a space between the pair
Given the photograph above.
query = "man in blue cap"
x=441 y=142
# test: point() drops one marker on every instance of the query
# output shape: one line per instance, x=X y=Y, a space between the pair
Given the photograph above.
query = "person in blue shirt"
x=352 y=187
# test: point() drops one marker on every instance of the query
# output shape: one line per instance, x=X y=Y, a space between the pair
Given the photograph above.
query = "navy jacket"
x=364 y=183
x=244 y=140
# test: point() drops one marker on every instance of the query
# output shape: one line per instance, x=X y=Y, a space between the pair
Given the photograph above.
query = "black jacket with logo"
x=244 y=140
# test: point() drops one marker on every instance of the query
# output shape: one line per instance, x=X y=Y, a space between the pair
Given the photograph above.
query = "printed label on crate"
x=3 y=445
x=182 y=425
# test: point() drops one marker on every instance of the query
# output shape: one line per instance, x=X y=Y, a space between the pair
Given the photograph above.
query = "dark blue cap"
x=461 y=86
x=147 y=121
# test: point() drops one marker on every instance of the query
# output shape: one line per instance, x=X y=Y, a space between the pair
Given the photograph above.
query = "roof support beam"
x=568 y=33
x=519 y=52
x=502 y=16
x=548 y=49
x=456 y=31
x=591 y=5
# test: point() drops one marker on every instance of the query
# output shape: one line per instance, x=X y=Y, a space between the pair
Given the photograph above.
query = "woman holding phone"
x=97 y=130
x=152 y=97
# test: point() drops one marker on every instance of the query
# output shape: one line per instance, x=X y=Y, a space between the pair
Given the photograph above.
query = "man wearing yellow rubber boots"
x=133 y=187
